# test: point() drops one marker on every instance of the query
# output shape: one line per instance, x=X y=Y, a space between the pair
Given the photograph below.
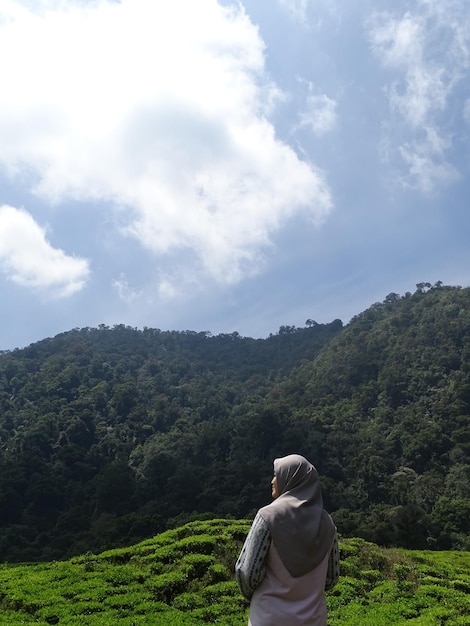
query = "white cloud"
x=426 y=52
x=161 y=108
x=297 y=8
x=427 y=167
x=302 y=11
x=167 y=289
x=124 y=290
x=426 y=83
x=28 y=259
x=319 y=115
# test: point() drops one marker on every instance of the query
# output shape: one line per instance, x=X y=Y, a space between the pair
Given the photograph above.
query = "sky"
x=228 y=166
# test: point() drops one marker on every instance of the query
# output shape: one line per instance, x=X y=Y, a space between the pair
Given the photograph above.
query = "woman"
x=282 y=568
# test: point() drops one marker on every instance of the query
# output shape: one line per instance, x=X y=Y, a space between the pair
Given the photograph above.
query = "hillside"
x=388 y=403
x=184 y=577
x=110 y=435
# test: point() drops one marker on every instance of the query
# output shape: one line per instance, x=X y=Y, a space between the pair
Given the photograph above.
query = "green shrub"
x=167 y=586
x=184 y=577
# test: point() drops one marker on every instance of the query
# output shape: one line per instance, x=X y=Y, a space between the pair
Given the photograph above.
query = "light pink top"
x=281 y=600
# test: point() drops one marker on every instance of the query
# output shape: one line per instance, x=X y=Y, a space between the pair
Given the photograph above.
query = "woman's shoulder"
x=260 y=520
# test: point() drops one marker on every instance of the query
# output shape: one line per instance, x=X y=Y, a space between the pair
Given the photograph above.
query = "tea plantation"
x=184 y=577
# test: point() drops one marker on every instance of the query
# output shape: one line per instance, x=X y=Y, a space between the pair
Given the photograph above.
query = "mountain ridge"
x=110 y=435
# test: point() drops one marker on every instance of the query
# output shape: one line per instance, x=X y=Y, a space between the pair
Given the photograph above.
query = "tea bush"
x=184 y=577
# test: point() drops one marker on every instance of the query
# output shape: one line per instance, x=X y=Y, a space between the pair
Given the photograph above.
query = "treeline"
x=110 y=435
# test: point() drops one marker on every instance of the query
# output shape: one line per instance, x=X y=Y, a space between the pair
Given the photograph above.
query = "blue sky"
x=225 y=166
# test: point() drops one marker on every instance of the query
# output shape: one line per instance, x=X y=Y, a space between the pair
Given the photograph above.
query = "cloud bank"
x=426 y=51
x=162 y=110
x=28 y=259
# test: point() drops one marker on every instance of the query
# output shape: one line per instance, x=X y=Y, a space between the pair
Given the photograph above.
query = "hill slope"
x=98 y=426
x=110 y=435
x=388 y=403
x=184 y=577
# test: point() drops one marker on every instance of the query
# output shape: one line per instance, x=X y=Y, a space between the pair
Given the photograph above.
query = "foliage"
x=185 y=577
x=102 y=430
x=110 y=435
x=391 y=398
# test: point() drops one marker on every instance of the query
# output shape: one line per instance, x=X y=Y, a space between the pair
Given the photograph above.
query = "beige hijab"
x=301 y=530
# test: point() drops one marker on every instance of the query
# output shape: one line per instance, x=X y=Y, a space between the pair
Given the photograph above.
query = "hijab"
x=301 y=530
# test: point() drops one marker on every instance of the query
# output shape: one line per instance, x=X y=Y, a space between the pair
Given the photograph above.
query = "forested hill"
x=110 y=435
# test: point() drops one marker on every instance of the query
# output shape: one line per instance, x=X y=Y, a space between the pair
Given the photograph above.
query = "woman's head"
x=290 y=472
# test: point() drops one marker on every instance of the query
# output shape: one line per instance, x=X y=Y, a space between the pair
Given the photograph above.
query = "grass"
x=184 y=577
